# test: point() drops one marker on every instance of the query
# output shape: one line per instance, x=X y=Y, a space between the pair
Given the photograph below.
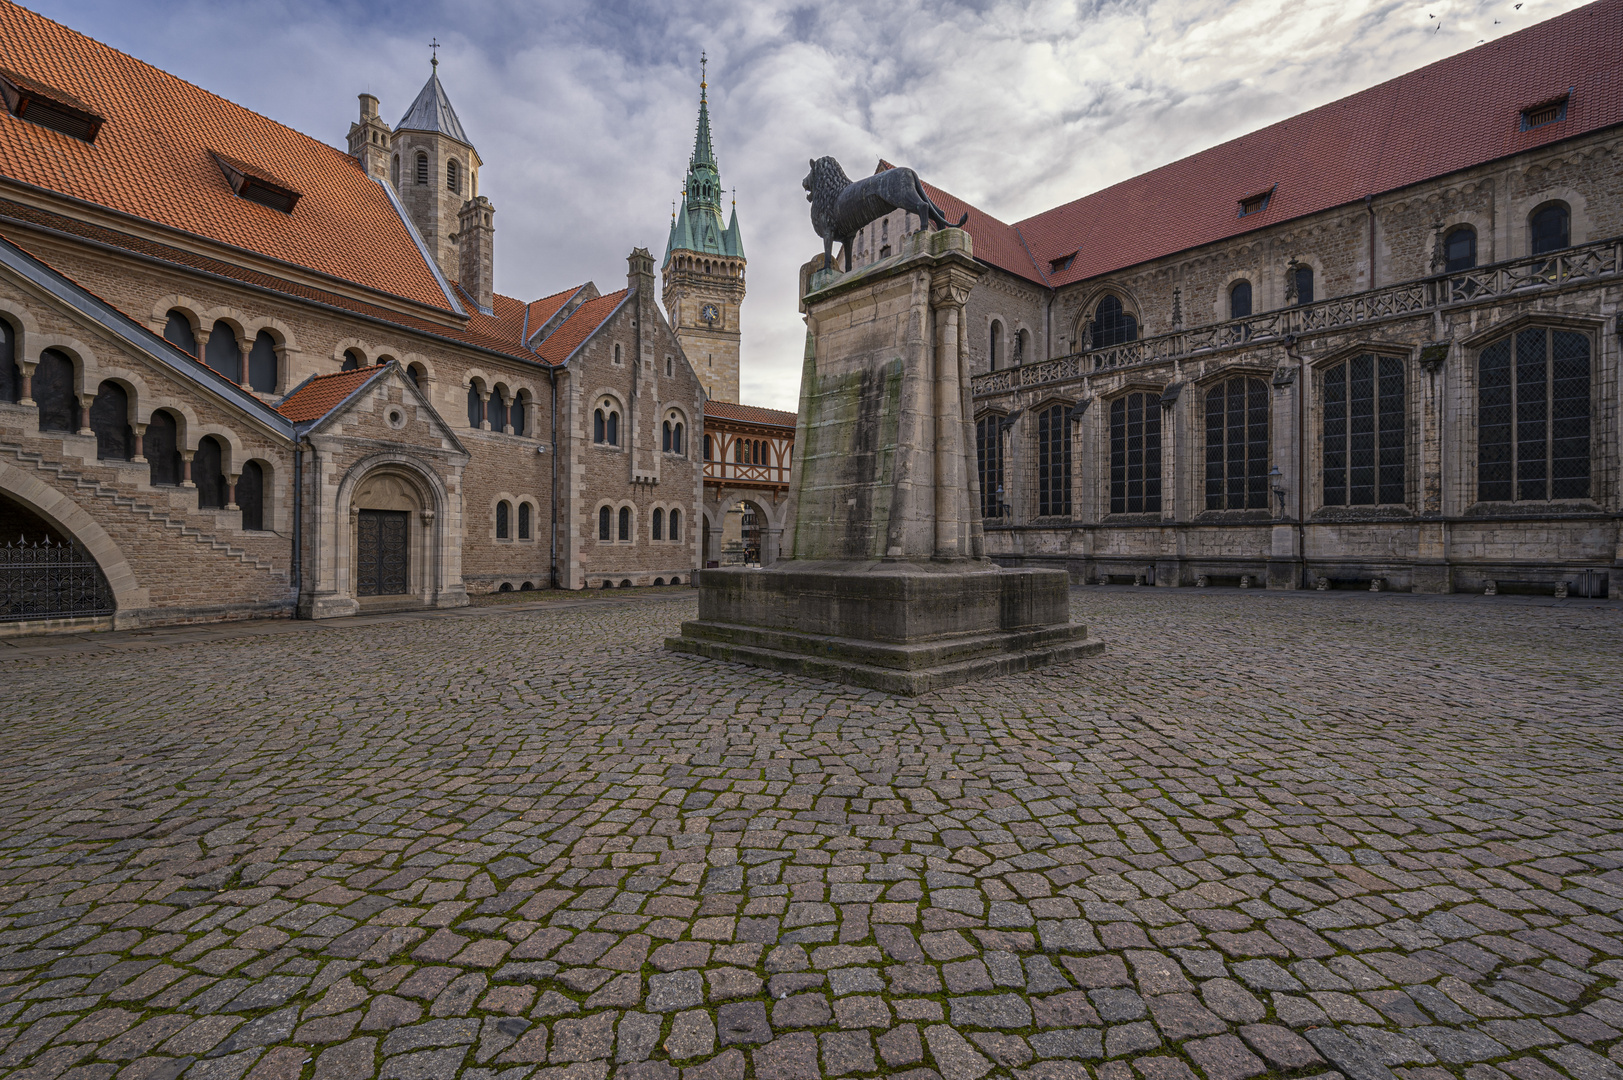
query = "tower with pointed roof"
x=435 y=169
x=704 y=268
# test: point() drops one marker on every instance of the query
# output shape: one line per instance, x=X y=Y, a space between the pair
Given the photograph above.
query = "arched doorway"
x=44 y=573
x=387 y=511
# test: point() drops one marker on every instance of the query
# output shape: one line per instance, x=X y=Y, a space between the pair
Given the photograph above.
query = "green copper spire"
x=698 y=223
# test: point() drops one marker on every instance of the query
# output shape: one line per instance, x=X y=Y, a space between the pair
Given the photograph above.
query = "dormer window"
x=48 y=107
x=256 y=185
x=1061 y=263
x=1256 y=204
x=1545 y=112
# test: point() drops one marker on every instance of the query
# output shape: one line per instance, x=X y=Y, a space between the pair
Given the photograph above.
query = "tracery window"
x=110 y=420
x=1533 y=413
x=1551 y=227
x=989 y=464
x=1459 y=249
x=1237 y=445
x=1112 y=325
x=1364 y=432
x=1240 y=300
x=1135 y=454
x=1054 y=462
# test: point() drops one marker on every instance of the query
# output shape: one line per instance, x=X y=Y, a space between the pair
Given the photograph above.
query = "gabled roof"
x=585 y=320
x=432 y=111
x=541 y=311
x=319 y=395
x=152 y=160
x=749 y=414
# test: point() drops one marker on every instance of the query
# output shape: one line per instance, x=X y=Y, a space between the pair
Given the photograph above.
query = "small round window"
x=397 y=418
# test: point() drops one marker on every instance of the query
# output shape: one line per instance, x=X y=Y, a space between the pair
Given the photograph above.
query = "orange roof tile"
x=579 y=326
x=318 y=396
x=152 y=160
x=545 y=308
x=749 y=414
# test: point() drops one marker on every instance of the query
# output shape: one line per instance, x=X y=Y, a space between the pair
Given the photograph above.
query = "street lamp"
x=1274 y=477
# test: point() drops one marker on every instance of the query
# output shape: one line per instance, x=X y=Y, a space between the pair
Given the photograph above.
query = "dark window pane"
x=476 y=407
x=1135 y=454
x=1118 y=456
x=1532 y=415
x=625 y=523
x=1053 y=463
x=1214 y=447
x=523 y=521
x=1391 y=432
x=599 y=430
x=53 y=392
x=614 y=429
x=515 y=415
x=1335 y=436
x=1552 y=229
x=1152 y=453
x=1235 y=444
x=501 y=520
x=989 y=464
x=603 y=524
x=177 y=330
x=1304 y=284
x=221 y=353
x=262 y=364
x=208 y=474
x=1494 y=423
x=658 y=525
x=110 y=420
x=1459 y=250
x=1111 y=325
x=352 y=361
x=1569 y=416
x=1361 y=431
x=1256 y=444
x=161 y=445
x=251 y=495
x=10 y=373
x=1240 y=300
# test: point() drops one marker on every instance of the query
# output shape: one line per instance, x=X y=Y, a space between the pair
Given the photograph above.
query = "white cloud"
x=584 y=115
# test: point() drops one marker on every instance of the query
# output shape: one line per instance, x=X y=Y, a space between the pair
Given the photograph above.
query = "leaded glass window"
x=1551 y=227
x=1240 y=300
x=1111 y=325
x=1459 y=250
x=1135 y=454
x=989 y=464
x=1533 y=417
x=1054 y=462
x=1364 y=432
x=1237 y=445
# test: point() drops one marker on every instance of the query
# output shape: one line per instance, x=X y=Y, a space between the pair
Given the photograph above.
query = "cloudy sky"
x=584 y=113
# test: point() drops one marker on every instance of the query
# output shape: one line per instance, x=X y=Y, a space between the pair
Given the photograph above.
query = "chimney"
x=475 y=248
x=369 y=140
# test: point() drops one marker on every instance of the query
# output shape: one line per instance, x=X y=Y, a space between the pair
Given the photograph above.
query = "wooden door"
x=383 y=553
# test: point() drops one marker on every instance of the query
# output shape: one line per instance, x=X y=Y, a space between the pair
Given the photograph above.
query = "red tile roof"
x=545 y=308
x=750 y=414
x=319 y=396
x=579 y=326
x=1458 y=112
x=152 y=160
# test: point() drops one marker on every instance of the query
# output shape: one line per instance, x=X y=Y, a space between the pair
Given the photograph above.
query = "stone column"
x=140 y=443
x=507 y=415
x=954 y=481
x=27 y=367
x=432 y=579
x=231 y=492
x=243 y=349
x=1431 y=570
x=85 y=401
x=186 y=468
x=484 y=410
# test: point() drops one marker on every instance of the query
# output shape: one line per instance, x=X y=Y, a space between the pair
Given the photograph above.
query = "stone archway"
x=387 y=514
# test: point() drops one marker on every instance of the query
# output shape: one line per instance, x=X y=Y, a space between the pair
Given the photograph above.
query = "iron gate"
x=51 y=580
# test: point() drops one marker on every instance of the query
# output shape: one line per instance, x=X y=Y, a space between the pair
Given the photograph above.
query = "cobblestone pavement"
x=1263 y=835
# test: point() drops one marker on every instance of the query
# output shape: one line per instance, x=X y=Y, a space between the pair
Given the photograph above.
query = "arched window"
x=251 y=495
x=1459 y=249
x=1533 y=413
x=665 y=437
x=1302 y=276
x=670 y=366
x=422 y=169
x=989 y=464
x=53 y=392
x=453 y=179
x=476 y=406
x=177 y=330
x=994 y=352
x=262 y=364
x=1022 y=345
x=524 y=521
x=604 y=520
x=416 y=374
x=1054 y=462
x=658 y=530
x=11 y=382
x=110 y=420
x=600 y=429
x=1551 y=227
x=1363 y=432
x=707 y=448
x=503 y=509
x=1237 y=445
x=625 y=523
x=1240 y=300
x=208 y=473
x=1111 y=325
x=676 y=528
x=394 y=172
x=515 y=414
x=738 y=451
x=676 y=439
x=353 y=360
x=1135 y=454
x=161 y=445
x=617 y=352
x=614 y=428
x=222 y=352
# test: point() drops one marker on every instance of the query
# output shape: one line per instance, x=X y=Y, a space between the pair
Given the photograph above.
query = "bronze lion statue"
x=842 y=207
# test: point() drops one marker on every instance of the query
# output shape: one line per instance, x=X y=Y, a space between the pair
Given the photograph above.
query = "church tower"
x=704 y=269
x=435 y=169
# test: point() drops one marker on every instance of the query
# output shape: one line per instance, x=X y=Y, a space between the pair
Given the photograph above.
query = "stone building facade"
x=748 y=452
x=243 y=373
x=1276 y=363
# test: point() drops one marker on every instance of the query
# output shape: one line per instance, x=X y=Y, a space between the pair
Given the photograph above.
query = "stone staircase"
x=82 y=484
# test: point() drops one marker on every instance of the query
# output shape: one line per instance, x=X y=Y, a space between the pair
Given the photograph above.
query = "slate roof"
x=749 y=414
x=432 y=111
x=152 y=160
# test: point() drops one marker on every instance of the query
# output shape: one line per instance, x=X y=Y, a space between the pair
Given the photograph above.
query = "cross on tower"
x=434 y=45
x=703 y=68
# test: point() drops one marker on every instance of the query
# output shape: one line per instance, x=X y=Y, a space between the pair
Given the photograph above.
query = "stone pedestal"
x=885 y=584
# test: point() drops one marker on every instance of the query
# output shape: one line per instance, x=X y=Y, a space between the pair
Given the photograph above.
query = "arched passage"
x=104 y=586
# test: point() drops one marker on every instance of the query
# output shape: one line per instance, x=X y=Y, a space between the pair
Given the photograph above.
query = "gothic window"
x=995 y=349
x=161 y=445
x=177 y=330
x=1237 y=445
x=1304 y=285
x=625 y=523
x=1111 y=325
x=1551 y=226
x=599 y=427
x=658 y=531
x=1533 y=417
x=503 y=511
x=1054 y=462
x=10 y=374
x=476 y=406
x=707 y=448
x=604 y=518
x=53 y=392
x=614 y=428
x=676 y=530
x=110 y=420
x=1459 y=249
x=453 y=181
x=262 y=364
x=221 y=353
x=422 y=169
x=524 y=521
x=353 y=360
x=989 y=464
x=1364 y=432
x=208 y=473
x=251 y=495
x=1240 y=300
x=1135 y=454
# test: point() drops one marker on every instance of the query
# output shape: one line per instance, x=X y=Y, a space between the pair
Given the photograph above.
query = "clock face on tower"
x=709 y=313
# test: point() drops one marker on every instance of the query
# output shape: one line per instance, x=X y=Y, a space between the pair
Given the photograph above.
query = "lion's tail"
x=961 y=220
